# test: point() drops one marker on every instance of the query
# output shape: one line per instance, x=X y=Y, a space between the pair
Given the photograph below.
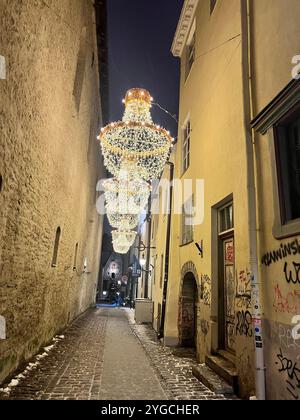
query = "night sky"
x=140 y=35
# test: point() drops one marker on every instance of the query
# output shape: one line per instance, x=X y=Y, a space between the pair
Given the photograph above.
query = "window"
x=280 y=119
x=2 y=68
x=186 y=146
x=56 y=246
x=1 y=183
x=226 y=221
x=287 y=150
x=212 y=6
x=161 y=271
x=191 y=50
x=187 y=231
x=80 y=70
x=75 y=257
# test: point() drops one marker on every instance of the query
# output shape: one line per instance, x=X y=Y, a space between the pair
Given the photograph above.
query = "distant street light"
x=143 y=261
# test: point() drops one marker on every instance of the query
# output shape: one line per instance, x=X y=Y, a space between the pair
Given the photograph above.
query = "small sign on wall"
x=2 y=68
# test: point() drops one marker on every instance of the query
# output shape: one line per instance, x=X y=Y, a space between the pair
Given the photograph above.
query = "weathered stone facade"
x=50 y=163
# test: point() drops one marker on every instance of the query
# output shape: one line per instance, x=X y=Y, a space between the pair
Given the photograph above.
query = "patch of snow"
x=49 y=348
x=41 y=356
x=14 y=382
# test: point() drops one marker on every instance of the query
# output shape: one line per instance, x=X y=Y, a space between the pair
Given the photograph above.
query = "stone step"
x=226 y=355
x=211 y=380
x=224 y=368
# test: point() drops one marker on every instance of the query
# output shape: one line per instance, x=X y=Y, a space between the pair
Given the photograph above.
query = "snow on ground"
x=33 y=365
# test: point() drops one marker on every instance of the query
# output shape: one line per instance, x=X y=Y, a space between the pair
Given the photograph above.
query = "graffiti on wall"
x=244 y=323
x=283 y=335
x=288 y=303
x=292 y=274
x=186 y=321
x=282 y=355
x=206 y=290
x=291 y=371
x=204 y=326
x=243 y=290
x=231 y=336
x=285 y=250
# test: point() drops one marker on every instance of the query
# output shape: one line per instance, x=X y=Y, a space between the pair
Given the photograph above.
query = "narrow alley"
x=149 y=201
x=105 y=356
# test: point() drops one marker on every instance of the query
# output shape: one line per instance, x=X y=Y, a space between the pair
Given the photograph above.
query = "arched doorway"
x=187 y=322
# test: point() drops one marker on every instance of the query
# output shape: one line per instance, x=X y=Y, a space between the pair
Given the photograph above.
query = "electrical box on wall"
x=143 y=311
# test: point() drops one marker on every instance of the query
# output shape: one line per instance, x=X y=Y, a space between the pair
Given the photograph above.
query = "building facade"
x=50 y=163
x=232 y=284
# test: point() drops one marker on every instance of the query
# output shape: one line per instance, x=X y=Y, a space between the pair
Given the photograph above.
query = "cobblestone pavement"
x=105 y=356
x=173 y=366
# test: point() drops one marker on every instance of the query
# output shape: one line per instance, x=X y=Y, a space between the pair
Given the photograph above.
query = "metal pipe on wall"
x=167 y=255
x=260 y=369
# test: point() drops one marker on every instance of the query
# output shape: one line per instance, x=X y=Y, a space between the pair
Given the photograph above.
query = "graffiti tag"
x=244 y=324
x=293 y=248
x=243 y=292
x=204 y=326
x=291 y=369
x=292 y=276
x=206 y=290
x=289 y=303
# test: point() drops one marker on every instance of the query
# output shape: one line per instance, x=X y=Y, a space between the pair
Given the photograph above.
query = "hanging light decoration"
x=126 y=199
x=123 y=221
x=136 y=137
x=121 y=249
x=128 y=194
x=123 y=237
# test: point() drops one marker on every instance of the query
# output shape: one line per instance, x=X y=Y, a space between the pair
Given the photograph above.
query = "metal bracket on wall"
x=200 y=248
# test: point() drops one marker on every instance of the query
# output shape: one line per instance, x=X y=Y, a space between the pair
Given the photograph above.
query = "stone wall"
x=50 y=163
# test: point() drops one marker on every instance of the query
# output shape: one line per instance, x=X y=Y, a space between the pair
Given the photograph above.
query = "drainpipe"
x=167 y=256
x=248 y=106
x=147 y=274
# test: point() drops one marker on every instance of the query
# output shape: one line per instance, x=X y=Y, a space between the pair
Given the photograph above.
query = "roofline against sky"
x=184 y=26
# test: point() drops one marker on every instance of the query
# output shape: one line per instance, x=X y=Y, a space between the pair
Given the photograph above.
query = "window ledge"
x=185 y=172
x=54 y=265
x=287 y=230
x=188 y=243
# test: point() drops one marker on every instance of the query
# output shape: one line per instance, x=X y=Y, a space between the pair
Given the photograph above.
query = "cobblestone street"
x=105 y=356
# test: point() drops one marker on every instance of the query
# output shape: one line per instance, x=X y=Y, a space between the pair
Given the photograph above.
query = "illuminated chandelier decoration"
x=123 y=238
x=121 y=249
x=123 y=221
x=135 y=151
x=136 y=137
x=126 y=194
